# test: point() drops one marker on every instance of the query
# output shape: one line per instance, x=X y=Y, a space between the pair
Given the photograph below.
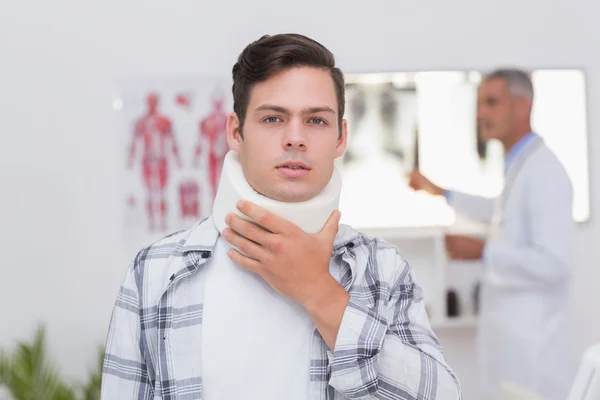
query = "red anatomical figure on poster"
x=189 y=199
x=213 y=132
x=155 y=132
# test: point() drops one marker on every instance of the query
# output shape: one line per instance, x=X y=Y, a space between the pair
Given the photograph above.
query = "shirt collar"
x=516 y=149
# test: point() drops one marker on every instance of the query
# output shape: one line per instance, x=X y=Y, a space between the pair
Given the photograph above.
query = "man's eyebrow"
x=283 y=110
x=269 y=107
x=314 y=110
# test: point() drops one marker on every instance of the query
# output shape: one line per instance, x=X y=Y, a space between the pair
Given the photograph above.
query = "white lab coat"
x=523 y=333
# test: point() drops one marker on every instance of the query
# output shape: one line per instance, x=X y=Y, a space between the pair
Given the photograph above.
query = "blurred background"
x=76 y=77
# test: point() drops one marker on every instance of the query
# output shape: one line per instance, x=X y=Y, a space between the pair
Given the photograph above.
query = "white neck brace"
x=310 y=215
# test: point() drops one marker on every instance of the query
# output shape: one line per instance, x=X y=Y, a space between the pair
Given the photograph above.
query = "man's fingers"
x=447 y=240
x=415 y=180
x=247 y=229
x=247 y=246
x=450 y=241
x=246 y=262
x=263 y=217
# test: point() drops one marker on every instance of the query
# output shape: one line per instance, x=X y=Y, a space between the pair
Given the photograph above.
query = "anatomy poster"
x=173 y=145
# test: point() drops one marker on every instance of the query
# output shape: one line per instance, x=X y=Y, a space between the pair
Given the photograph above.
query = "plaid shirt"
x=385 y=348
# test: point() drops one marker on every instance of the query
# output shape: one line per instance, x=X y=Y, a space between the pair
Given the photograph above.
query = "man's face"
x=496 y=109
x=290 y=135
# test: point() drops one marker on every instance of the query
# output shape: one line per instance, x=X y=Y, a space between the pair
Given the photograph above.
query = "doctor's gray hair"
x=518 y=81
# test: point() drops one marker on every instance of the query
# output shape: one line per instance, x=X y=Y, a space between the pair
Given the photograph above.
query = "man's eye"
x=271 y=119
x=318 y=121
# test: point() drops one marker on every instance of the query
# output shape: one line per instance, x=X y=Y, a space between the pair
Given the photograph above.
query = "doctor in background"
x=523 y=333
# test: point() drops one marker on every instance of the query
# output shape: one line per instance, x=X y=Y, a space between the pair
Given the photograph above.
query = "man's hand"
x=464 y=247
x=417 y=181
x=293 y=262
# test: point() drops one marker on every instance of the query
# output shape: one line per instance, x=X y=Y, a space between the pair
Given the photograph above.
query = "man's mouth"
x=294 y=165
x=293 y=169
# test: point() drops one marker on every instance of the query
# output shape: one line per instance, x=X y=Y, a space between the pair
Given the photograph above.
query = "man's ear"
x=342 y=141
x=234 y=132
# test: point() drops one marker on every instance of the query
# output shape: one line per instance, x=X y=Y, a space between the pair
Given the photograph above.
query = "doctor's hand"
x=293 y=262
x=417 y=181
x=464 y=247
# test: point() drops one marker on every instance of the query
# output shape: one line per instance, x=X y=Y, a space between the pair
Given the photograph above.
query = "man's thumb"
x=332 y=225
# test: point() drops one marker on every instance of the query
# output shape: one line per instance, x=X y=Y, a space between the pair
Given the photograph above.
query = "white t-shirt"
x=255 y=342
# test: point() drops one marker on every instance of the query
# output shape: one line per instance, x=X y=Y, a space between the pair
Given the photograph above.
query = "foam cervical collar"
x=310 y=215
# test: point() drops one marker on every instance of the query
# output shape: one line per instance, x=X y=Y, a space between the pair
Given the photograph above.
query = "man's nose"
x=483 y=111
x=295 y=137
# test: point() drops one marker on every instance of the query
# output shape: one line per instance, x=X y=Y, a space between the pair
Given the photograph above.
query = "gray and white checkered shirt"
x=385 y=347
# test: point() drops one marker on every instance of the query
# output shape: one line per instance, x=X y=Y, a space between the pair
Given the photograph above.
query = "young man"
x=266 y=310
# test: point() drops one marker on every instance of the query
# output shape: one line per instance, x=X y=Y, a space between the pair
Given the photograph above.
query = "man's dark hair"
x=270 y=55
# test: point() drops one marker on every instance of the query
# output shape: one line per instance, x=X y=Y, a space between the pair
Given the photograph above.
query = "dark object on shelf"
x=476 y=291
x=452 y=304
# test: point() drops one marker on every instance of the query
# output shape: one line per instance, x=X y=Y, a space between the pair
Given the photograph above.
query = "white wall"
x=59 y=154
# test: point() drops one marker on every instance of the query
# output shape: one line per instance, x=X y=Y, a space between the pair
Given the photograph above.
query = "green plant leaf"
x=28 y=374
x=4 y=368
x=91 y=390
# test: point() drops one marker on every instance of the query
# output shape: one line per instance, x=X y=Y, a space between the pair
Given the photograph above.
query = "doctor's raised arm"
x=477 y=207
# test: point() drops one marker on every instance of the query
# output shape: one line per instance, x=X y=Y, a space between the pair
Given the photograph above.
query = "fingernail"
x=240 y=204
